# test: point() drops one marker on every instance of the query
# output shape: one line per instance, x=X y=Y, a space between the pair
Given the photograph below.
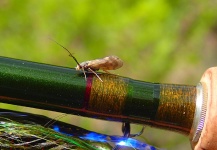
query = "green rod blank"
x=116 y=98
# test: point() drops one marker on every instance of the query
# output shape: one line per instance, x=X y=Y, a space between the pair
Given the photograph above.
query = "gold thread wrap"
x=108 y=96
x=177 y=105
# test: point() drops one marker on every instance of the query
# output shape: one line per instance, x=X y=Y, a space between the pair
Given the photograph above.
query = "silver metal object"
x=200 y=112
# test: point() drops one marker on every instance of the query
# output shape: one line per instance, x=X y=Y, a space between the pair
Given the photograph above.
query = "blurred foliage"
x=158 y=40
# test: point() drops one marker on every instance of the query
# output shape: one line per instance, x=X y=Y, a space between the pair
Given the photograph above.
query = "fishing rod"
x=180 y=108
x=30 y=131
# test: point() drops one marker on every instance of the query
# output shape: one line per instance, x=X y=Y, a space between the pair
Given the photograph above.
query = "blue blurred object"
x=68 y=130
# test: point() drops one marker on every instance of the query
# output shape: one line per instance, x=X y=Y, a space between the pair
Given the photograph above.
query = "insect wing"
x=107 y=63
x=117 y=62
x=97 y=64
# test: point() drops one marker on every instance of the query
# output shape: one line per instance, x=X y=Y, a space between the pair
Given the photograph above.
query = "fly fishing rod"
x=29 y=131
x=174 y=107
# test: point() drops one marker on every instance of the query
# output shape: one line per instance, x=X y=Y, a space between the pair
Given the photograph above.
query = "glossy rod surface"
x=117 y=98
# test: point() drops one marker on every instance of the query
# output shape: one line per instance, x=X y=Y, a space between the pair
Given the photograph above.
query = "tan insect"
x=106 y=63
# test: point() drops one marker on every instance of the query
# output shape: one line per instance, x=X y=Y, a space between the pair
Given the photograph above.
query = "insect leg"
x=84 y=73
x=95 y=74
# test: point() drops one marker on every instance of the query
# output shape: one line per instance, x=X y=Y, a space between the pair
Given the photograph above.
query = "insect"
x=105 y=64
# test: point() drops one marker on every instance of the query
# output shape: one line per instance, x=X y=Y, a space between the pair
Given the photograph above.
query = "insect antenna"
x=70 y=54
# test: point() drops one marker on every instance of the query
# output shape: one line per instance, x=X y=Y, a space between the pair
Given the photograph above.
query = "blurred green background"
x=158 y=40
